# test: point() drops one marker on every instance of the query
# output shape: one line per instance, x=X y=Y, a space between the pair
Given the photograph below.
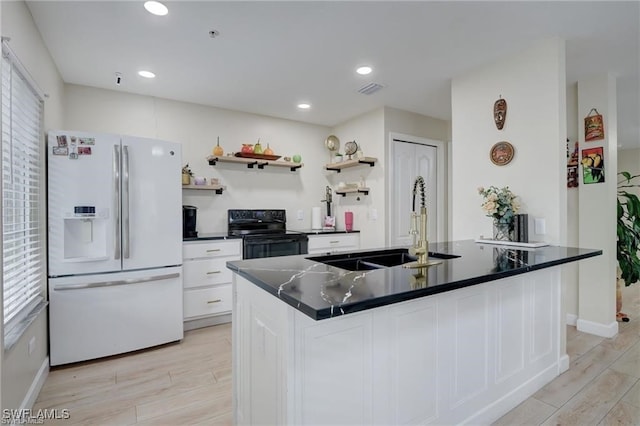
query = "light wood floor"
x=189 y=383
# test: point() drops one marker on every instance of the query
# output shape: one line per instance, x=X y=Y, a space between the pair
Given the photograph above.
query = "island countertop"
x=322 y=291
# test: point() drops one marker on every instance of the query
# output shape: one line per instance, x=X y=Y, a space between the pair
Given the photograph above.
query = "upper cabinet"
x=371 y=161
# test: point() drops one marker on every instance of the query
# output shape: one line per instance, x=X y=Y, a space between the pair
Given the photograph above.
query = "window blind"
x=22 y=186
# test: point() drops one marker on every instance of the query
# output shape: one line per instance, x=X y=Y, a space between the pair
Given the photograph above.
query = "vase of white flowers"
x=500 y=204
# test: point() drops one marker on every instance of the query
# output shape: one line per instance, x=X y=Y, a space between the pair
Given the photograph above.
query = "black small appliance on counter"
x=189 y=222
x=264 y=233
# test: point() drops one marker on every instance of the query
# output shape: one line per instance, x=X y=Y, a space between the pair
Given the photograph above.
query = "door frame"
x=441 y=173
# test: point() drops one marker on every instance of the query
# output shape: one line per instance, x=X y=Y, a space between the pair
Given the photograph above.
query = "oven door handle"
x=274 y=241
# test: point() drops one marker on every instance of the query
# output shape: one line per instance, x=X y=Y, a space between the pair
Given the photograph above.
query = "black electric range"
x=264 y=233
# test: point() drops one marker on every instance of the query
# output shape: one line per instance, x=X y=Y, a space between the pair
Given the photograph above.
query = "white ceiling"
x=272 y=55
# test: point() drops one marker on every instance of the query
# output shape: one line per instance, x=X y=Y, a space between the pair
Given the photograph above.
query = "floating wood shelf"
x=344 y=192
x=351 y=163
x=252 y=162
x=217 y=188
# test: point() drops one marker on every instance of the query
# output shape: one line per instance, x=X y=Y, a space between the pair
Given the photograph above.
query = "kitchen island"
x=464 y=341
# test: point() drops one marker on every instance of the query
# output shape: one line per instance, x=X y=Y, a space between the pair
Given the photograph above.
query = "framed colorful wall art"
x=592 y=165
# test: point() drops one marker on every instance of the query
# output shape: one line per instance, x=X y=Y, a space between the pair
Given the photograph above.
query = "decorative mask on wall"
x=500 y=112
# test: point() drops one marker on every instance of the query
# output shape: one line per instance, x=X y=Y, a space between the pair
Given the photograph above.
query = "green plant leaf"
x=628 y=229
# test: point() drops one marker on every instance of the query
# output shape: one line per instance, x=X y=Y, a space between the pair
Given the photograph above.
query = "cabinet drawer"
x=204 y=249
x=334 y=242
x=207 y=301
x=202 y=272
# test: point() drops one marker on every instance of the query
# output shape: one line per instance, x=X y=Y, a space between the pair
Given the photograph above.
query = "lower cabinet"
x=207 y=281
x=466 y=356
x=333 y=243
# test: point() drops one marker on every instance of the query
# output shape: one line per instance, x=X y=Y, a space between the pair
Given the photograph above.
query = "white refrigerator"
x=115 y=244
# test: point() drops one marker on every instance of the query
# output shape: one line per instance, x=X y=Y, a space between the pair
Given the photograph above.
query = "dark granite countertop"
x=322 y=291
x=225 y=236
x=212 y=236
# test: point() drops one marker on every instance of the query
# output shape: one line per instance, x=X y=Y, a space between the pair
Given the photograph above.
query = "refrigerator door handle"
x=125 y=203
x=116 y=199
x=115 y=283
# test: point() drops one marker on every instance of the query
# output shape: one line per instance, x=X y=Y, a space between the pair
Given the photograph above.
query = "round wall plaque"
x=501 y=153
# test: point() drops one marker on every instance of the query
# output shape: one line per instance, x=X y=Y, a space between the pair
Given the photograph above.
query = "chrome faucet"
x=418 y=231
x=328 y=199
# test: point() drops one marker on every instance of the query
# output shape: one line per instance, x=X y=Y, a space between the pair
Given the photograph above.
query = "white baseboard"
x=563 y=364
x=36 y=386
x=602 y=330
x=503 y=405
x=206 y=322
x=572 y=319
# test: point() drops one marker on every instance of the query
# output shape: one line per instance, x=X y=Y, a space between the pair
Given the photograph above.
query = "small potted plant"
x=187 y=174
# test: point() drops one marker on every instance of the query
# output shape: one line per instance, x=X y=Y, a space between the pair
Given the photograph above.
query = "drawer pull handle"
x=212 y=250
x=214 y=301
x=213 y=272
x=334 y=242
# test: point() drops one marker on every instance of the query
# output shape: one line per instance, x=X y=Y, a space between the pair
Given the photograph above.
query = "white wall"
x=368 y=131
x=371 y=132
x=1 y=279
x=533 y=83
x=19 y=369
x=196 y=127
x=597 y=205
x=410 y=123
x=629 y=161
x=570 y=271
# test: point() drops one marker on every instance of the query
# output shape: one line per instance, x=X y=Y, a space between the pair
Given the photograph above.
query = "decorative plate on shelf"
x=350 y=148
x=257 y=156
x=332 y=143
x=501 y=153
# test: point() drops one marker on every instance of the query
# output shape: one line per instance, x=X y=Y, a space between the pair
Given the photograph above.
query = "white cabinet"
x=207 y=280
x=466 y=356
x=333 y=243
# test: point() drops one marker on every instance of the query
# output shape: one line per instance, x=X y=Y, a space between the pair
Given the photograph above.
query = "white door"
x=82 y=173
x=151 y=203
x=409 y=161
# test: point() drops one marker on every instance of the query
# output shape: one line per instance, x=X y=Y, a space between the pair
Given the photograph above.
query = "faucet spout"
x=420 y=246
x=423 y=201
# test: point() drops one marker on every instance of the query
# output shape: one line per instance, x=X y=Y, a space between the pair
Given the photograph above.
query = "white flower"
x=499 y=203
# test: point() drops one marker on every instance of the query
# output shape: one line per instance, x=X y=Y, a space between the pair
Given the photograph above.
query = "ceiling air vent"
x=370 y=88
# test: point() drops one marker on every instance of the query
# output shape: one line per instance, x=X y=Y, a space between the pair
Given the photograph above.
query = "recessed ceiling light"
x=304 y=106
x=364 y=70
x=146 y=74
x=156 y=8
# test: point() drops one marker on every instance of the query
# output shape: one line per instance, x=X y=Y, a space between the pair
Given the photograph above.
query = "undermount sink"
x=365 y=261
